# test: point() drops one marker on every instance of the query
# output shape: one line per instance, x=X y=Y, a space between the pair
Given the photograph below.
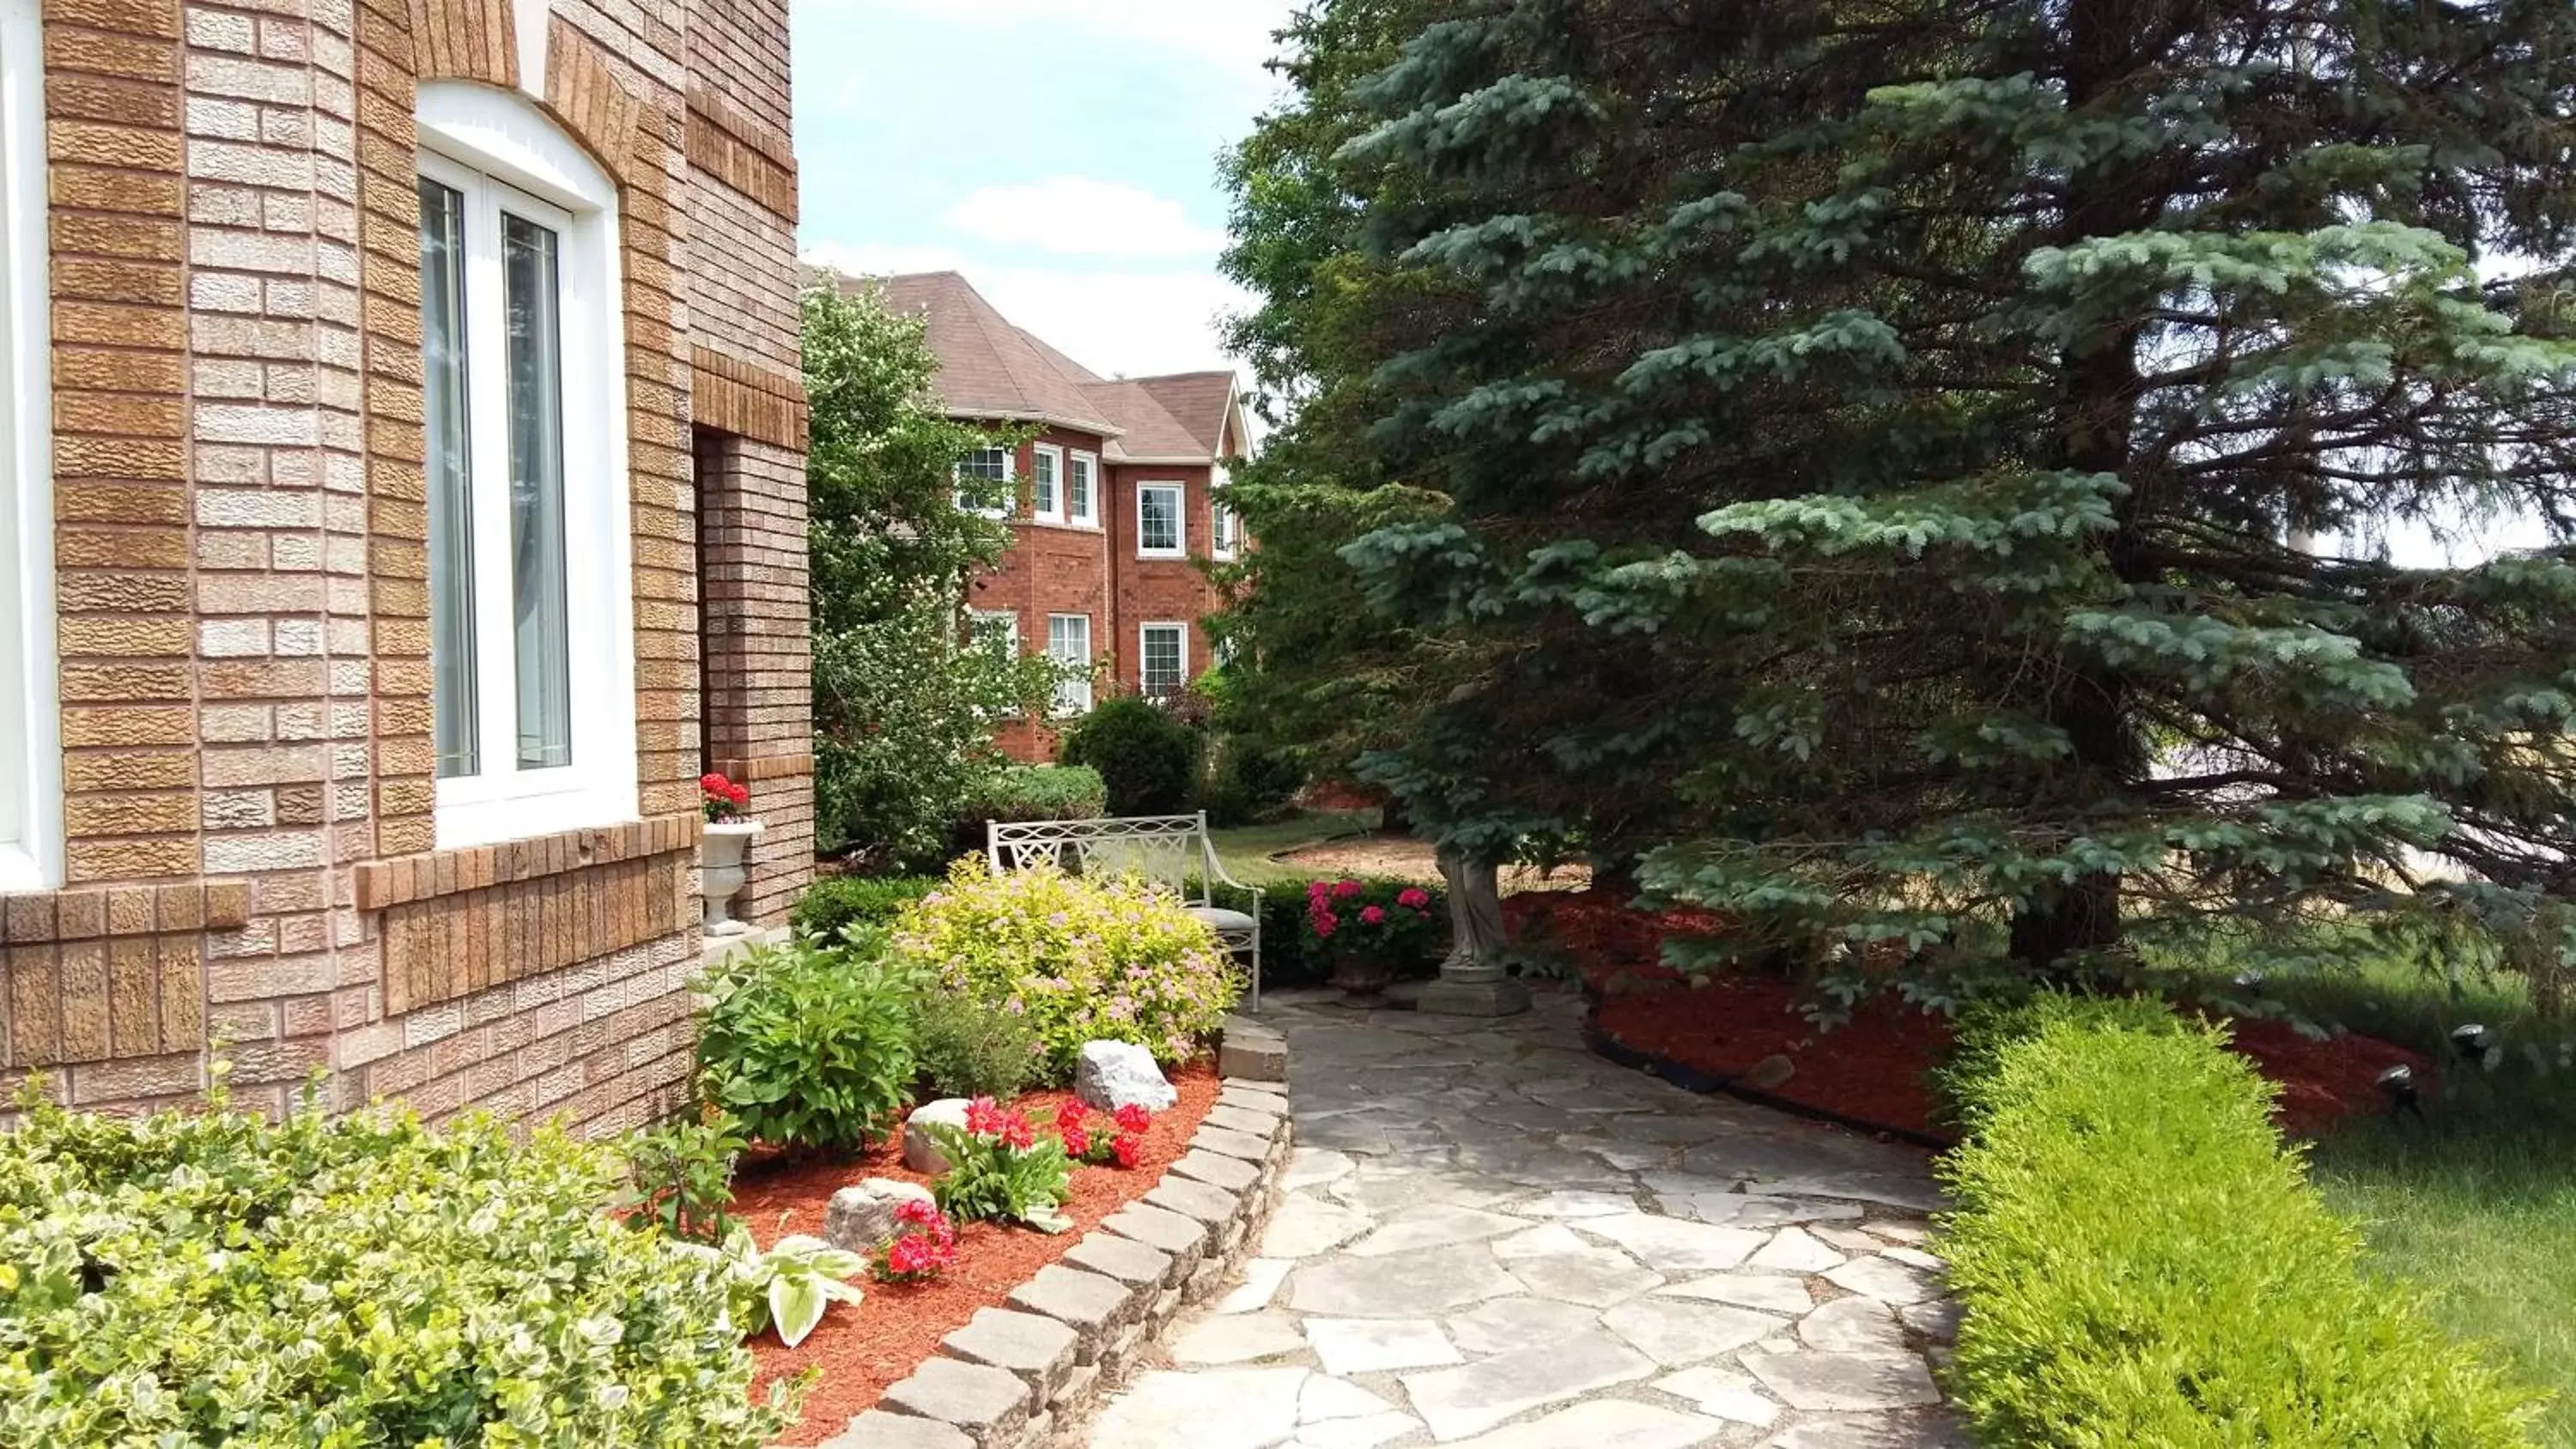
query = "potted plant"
x=1370 y=931
x=722 y=868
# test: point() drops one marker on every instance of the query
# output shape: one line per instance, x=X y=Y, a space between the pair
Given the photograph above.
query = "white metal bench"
x=1172 y=851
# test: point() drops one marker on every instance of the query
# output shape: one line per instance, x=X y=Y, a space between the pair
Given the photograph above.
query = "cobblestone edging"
x=1020 y=1376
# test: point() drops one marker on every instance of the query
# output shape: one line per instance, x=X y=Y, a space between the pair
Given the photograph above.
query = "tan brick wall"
x=243 y=602
x=759 y=665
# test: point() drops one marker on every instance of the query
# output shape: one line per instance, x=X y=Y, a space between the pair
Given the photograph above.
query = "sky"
x=1060 y=153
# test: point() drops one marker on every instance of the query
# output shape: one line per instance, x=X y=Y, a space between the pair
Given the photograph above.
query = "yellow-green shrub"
x=217 y=1279
x=2144 y=1264
x=1083 y=960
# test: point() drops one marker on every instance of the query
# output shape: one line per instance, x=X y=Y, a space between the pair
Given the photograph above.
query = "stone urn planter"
x=1362 y=977
x=723 y=868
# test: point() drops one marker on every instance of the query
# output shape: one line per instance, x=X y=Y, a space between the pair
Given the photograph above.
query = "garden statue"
x=1472 y=979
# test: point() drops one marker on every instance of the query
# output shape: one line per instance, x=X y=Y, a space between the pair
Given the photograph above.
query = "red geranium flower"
x=738 y=794
x=1327 y=923
x=1347 y=889
x=1068 y=1118
x=1017 y=1134
x=917 y=1212
x=1127 y=1147
x=1373 y=914
x=1134 y=1118
x=983 y=1119
x=1077 y=1144
x=1414 y=896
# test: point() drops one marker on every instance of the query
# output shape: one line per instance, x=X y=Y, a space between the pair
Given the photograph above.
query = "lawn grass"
x=1246 y=849
x=2474 y=1209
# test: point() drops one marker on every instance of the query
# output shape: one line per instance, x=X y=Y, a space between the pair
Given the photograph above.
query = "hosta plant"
x=788 y=1287
x=808 y=1046
x=1000 y=1169
x=1083 y=959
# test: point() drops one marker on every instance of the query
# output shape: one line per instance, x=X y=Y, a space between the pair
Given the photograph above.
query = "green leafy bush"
x=1001 y=1170
x=681 y=1177
x=1027 y=792
x=808 y=1046
x=1084 y=960
x=836 y=903
x=1148 y=760
x=212 y=1278
x=970 y=1048
x=2143 y=1263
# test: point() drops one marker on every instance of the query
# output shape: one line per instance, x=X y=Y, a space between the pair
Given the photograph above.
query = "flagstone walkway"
x=1493 y=1239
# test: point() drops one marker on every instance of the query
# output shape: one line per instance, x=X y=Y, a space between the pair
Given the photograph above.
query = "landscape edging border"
x=1024 y=1375
x=1602 y=1044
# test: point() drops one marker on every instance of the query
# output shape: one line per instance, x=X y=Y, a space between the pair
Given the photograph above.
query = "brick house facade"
x=1120 y=497
x=405 y=506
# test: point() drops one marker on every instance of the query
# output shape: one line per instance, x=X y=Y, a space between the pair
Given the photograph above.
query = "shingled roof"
x=989 y=368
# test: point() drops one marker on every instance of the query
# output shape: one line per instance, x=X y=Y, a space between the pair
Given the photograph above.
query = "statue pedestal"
x=1448 y=996
x=1472 y=982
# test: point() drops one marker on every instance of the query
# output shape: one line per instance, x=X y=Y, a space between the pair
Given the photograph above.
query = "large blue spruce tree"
x=1910 y=468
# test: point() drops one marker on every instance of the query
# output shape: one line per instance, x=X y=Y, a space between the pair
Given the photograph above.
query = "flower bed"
x=1871 y=1071
x=862 y=1350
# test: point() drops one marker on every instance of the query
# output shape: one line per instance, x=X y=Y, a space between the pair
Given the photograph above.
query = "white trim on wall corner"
x=31 y=752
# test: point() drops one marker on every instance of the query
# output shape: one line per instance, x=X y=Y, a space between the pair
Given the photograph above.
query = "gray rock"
x=1461 y=1401
x=1770 y=1072
x=1676 y=1332
x=1673 y=1246
x=1873 y=1431
x=1376 y=1345
x=1253 y=1408
x=1305 y=1226
x=1114 y=1074
x=1230 y=1143
x=1503 y=1324
x=1194 y=1200
x=1040 y=1351
x=1436 y=1226
x=861 y=1215
x=1770 y=1292
x=1236 y=1119
x=1231 y=1173
x=919 y=1152
x=1603 y=1424
x=987 y=1405
x=1170 y=1232
x=1892 y=1283
x=1842 y=1383
x=878 y=1429
x=1361 y=1433
x=1092 y=1306
x=1593 y=1277
x=1413 y=1285
x=1794 y=1250
x=1852 y=1325
x=1722 y=1394
x=1124 y=1259
x=1936 y=1319
x=1251 y=1053
x=1238 y=1338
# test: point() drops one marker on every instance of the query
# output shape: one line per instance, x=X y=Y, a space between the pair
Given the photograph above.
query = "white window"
x=1158 y=521
x=1163 y=660
x=1069 y=645
x=1081 y=489
x=995 y=629
x=983 y=482
x=1045 y=477
x=1223 y=530
x=524 y=406
x=31 y=759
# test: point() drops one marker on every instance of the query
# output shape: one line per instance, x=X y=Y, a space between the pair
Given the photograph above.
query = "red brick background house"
x=1121 y=497
x=403 y=505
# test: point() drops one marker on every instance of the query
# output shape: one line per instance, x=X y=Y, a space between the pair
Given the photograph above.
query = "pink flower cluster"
x=1125 y=1145
x=922 y=1246
x=1322 y=897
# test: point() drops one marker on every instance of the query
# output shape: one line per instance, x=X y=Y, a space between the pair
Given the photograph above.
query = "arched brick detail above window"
x=465 y=40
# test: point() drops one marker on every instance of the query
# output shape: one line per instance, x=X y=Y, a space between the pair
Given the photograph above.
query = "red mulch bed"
x=1869 y=1071
x=863 y=1349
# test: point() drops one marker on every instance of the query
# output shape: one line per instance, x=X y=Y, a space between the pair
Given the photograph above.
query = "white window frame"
x=1180 y=520
x=1008 y=618
x=1225 y=530
x=1144 y=656
x=1010 y=476
x=1088 y=515
x=1072 y=696
x=1046 y=483
x=497 y=147
x=31 y=754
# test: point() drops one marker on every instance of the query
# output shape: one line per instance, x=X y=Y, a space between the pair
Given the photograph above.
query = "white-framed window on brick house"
x=1159 y=531
x=1082 y=489
x=1225 y=531
x=30 y=721
x=1046 y=482
x=1069 y=646
x=994 y=629
x=523 y=401
x=984 y=483
x=1162 y=660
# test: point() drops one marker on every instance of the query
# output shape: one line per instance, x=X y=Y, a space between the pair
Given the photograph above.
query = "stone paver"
x=1492 y=1239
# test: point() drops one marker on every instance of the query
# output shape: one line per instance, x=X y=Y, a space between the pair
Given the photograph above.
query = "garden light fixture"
x=2398 y=1083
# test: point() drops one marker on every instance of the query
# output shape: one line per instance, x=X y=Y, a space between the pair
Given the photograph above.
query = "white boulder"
x=1114 y=1074
x=919 y=1152
x=862 y=1215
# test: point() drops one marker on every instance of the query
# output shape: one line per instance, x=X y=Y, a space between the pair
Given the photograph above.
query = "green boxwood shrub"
x=808 y=1046
x=836 y=903
x=2144 y=1263
x=212 y=1278
x=1148 y=759
x=1082 y=959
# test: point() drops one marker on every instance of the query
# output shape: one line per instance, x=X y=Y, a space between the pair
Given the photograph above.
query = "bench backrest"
x=1168 y=850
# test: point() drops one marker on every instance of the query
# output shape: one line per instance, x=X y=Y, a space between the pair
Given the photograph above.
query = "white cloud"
x=1234 y=33
x=1077 y=216
x=1131 y=322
